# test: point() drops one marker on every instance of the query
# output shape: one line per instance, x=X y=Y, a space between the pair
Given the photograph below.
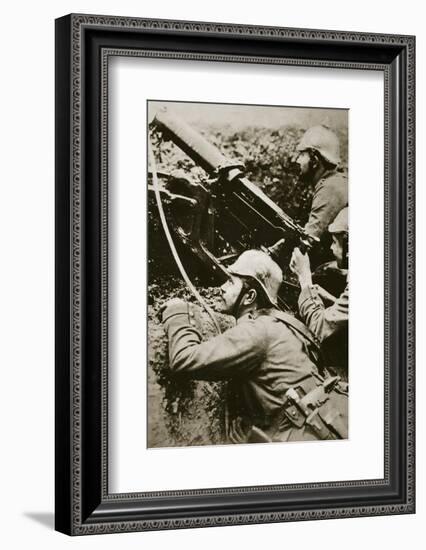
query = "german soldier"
x=318 y=157
x=270 y=353
x=329 y=324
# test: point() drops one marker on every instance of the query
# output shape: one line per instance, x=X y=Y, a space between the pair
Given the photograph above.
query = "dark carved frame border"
x=84 y=44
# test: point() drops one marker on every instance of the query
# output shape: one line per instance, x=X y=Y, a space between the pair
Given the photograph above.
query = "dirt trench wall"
x=182 y=412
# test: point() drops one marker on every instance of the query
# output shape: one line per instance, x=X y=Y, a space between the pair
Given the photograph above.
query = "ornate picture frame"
x=84 y=45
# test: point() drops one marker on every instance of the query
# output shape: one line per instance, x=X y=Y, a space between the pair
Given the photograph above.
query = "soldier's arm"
x=321 y=320
x=239 y=350
x=328 y=200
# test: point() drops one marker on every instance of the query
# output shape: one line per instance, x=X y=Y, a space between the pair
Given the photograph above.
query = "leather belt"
x=308 y=403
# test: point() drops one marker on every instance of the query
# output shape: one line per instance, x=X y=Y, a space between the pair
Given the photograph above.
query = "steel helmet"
x=340 y=223
x=257 y=265
x=324 y=141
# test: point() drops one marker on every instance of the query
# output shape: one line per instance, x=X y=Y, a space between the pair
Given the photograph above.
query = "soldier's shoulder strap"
x=299 y=327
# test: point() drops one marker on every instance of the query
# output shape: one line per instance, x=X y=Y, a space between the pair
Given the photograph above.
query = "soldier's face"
x=303 y=160
x=230 y=292
x=337 y=249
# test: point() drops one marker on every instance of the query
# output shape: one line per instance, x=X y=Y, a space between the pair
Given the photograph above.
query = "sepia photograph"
x=248 y=263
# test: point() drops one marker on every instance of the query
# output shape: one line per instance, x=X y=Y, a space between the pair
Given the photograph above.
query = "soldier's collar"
x=328 y=173
x=250 y=315
x=262 y=311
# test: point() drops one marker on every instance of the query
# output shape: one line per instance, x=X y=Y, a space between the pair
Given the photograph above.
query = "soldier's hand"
x=299 y=262
x=169 y=304
x=300 y=265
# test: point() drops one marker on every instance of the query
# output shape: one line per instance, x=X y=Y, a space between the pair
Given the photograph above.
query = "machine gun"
x=220 y=219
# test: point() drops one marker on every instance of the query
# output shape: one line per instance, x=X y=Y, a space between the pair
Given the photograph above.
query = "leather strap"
x=298 y=326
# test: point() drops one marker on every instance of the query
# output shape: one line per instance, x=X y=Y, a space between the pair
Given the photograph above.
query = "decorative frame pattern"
x=84 y=44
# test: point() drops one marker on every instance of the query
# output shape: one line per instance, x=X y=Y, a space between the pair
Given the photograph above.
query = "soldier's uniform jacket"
x=322 y=321
x=266 y=356
x=329 y=198
x=329 y=324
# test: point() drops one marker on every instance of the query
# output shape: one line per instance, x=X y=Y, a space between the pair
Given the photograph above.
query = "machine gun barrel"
x=213 y=162
x=191 y=142
x=216 y=221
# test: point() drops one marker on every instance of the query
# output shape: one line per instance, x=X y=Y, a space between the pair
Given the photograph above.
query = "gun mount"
x=220 y=219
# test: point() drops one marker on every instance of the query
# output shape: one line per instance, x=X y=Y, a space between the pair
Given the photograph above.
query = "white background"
x=26 y=219
x=360 y=457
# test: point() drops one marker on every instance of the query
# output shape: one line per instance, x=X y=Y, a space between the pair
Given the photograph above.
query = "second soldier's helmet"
x=340 y=223
x=324 y=141
x=260 y=267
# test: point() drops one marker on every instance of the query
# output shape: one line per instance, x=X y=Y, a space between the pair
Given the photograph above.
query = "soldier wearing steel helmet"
x=269 y=353
x=326 y=316
x=318 y=157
